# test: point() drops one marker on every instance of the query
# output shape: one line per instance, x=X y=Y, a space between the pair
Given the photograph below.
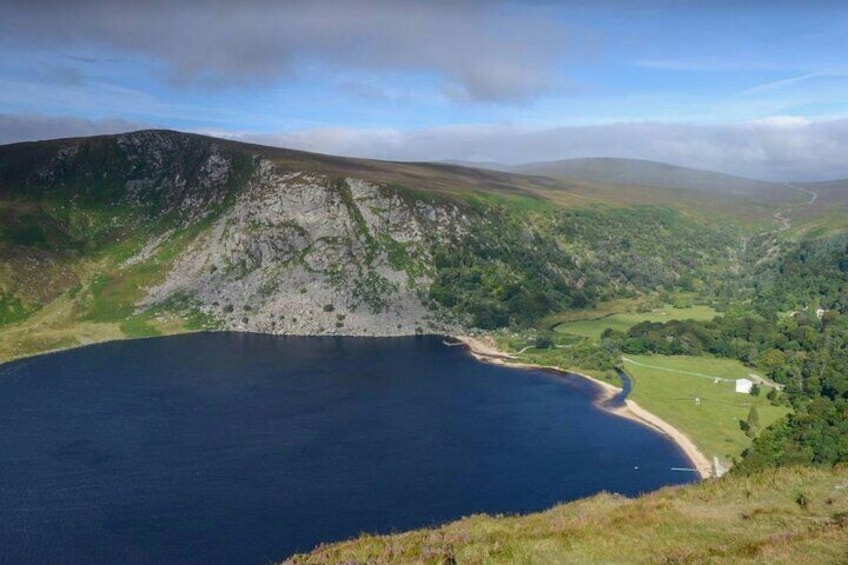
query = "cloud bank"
x=782 y=148
x=480 y=51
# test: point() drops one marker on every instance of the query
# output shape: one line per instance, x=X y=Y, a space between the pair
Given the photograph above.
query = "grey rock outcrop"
x=306 y=254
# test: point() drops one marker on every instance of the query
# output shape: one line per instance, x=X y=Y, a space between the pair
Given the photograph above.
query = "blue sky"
x=754 y=88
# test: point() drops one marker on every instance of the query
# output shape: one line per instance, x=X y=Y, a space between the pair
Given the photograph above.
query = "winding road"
x=783 y=223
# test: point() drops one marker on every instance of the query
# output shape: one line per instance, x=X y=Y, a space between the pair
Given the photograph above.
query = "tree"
x=752 y=424
x=544 y=341
x=772 y=360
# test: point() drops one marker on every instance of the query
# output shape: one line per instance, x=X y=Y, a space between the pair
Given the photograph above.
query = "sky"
x=758 y=89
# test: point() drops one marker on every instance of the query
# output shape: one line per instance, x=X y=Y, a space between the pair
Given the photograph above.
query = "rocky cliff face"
x=303 y=253
x=254 y=242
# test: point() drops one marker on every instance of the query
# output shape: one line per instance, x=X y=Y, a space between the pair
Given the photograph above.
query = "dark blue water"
x=242 y=448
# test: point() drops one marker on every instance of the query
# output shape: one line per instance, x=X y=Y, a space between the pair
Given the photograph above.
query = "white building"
x=744 y=385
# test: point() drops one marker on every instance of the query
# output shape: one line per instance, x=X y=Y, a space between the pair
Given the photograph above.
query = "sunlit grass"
x=713 y=423
x=624 y=321
x=730 y=520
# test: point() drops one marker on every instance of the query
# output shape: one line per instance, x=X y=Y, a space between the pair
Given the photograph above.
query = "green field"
x=670 y=393
x=622 y=321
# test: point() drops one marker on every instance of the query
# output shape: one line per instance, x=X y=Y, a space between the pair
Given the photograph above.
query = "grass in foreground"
x=796 y=515
x=713 y=424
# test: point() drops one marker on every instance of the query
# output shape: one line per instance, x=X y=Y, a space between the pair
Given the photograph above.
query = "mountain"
x=487 y=165
x=640 y=173
x=158 y=232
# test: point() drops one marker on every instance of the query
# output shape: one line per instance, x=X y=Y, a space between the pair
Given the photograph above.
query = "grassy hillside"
x=828 y=193
x=89 y=224
x=793 y=516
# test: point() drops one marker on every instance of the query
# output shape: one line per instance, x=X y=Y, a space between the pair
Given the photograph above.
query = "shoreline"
x=488 y=353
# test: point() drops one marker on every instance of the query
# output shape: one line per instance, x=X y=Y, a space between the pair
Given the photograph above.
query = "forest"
x=794 y=329
x=512 y=268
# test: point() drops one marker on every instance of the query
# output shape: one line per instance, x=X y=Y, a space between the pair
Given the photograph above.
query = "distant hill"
x=487 y=165
x=635 y=172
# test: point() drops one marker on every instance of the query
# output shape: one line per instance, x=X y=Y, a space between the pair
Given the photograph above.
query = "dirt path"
x=667 y=370
x=781 y=218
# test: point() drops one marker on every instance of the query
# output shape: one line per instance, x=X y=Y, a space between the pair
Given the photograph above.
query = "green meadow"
x=669 y=386
x=623 y=321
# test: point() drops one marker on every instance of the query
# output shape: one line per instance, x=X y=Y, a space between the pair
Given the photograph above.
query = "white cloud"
x=479 y=50
x=782 y=121
x=776 y=148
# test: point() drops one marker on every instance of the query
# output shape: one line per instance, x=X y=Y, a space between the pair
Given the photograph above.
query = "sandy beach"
x=486 y=351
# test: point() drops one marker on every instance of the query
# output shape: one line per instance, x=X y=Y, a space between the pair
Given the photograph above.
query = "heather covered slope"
x=635 y=172
x=633 y=181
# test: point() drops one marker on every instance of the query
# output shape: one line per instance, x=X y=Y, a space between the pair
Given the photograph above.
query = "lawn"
x=713 y=424
x=623 y=321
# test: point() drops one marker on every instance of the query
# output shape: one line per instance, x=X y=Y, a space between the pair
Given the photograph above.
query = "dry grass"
x=729 y=520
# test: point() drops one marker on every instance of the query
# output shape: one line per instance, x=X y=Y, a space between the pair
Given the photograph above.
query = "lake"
x=246 y=448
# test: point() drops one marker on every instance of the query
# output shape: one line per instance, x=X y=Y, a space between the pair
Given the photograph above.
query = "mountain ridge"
x=564 y=182
x=642 y=172
x=157 y=231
